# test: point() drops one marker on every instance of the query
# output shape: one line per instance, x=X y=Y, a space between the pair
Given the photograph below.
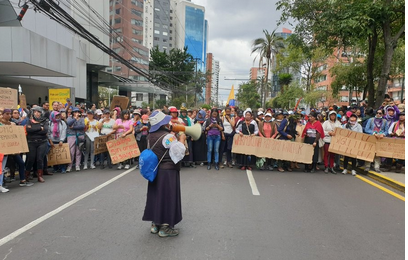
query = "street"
x=296 y=215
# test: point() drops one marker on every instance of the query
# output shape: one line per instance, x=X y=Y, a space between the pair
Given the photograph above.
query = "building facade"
x=212 y=86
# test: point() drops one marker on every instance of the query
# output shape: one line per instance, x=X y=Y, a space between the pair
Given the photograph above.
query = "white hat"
x=268 y=114
x=260 y=113
x=247 y=110
x=98 y=112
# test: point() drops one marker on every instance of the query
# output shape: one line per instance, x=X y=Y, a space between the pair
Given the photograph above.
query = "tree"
x=284 y=80
x=347 y=23
x=248 y=96
x=267 y=48
x=288 y=98
x=313 y=98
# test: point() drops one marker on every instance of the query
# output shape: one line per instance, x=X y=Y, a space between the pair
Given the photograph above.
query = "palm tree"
x=267 y=48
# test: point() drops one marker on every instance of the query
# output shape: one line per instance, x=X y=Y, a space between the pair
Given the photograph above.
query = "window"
x=322 y=88
x=156 y=32
x=118 y=68
x=137 y=32
x=321 y=68
x=118 y=30
x=344 y=99
x=156 y=9
x=171 y=31
x=170 y=38
x=321 y=78
x=170 y=45
x=156 y=38
x=140 y=51
x=118 y=20
x=164 y=40
x=117 y=50
x=136 y=40
x=165 y=26
x=171 y=25
x=118 y=11
x=136 y=22
x=156 y=25
x=139 y=97
x=165 y=33
x=343 y=87
x=171 y=11
x=136 y=12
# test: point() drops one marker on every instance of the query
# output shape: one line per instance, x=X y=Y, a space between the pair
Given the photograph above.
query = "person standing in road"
x=200 y=145
x=329 y=126
x=247 y=127
x=214 y=127
x=397 y=130
x=75 y=138
x=268 y=129
x=163 y=202
x=57 y=134
x=356 y=127
x=91 y=126
x=228 y=122
x=123 y=127
x=312 y=134
x=376 y=126
x=105 y=125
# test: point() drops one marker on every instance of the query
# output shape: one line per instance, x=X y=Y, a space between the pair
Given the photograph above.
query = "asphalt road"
x=296 y=216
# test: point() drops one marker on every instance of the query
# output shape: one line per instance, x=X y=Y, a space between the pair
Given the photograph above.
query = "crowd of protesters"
x=65 y=123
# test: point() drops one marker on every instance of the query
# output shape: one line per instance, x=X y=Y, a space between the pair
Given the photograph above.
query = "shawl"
x=316 y=125
x=55 y=129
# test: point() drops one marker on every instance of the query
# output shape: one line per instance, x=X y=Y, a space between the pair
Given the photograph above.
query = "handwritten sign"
x=272 y=148
x=353 y=144
x=23 y=101
x=59 y=94
x=121 y=101
x=122 y=149
x=13 y=140
x=391 y=148
x=100 y=143
x=59 y=155
x=8 y=98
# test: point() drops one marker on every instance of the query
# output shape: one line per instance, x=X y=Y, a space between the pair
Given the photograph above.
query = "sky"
x=233 y=25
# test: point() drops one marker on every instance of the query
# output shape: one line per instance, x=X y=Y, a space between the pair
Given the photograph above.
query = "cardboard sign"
x=13 y=140
x=59 y=155
x=100 y=143
x=122 y=149
x=353 y=144
x=272 y=148
x=59 y=94
x=299 y=130
x=121 y=101
x=8 y=98
x=23 y=101
x=92 y=135
x=391 y=148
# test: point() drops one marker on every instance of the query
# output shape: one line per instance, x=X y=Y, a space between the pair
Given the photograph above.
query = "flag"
x=231 y=97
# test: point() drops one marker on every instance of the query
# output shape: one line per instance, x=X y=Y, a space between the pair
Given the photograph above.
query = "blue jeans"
x=213 y=143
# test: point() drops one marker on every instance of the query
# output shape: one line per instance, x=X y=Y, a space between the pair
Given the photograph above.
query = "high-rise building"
x=157 y=17
x=255 y=73
x=212 y=87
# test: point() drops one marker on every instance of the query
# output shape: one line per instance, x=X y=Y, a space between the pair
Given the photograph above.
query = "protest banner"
x=299 y=130
x=353 y=144
x=58 y=94
x=59 y=155
x=23 y=101
x=121 y=101
x=13 y=140
x=272 y=148
x=122 y=149
x=8 y=98
x=391 y=148
x=100 y=143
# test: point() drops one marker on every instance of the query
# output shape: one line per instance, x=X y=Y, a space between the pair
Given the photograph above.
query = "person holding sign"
x=75 y=137
x=37 y=139
x=91 y=131
x=163 y=202
x=312 y=134
x=329 y=126
x=397 y=130
x=353 y=126
x=247 y=127
x=123 y=127
x=57 y=133
x=105 y=126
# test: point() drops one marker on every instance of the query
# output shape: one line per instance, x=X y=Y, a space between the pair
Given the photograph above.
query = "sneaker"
x=367 y=169
x=225 y=163
x=137 y=166
x=4 y=190
x=233 y=163
x=345 y=172
x=26 y=184
x=77 y=168
x=93 y=166
x=353 y=172
x=166 y=231
x=127 y=166
x=202 y=164
x=69 y=168
x=377 y=170
x=326 y=170
x=154 y=229
x=270 y=168
x=63 y=171
x=85 y=167
x=120 y=166
x=333 y=171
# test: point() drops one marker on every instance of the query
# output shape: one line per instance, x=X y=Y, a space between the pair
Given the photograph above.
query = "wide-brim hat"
x=75 y=109
x=158 y=119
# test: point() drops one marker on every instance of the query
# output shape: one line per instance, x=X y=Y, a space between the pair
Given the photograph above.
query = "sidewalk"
x=395 y=176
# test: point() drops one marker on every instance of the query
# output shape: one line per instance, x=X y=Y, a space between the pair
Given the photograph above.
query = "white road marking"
x=252 y=182
x=58 y=210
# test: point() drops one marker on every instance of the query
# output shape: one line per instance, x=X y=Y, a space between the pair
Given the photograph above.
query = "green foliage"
x=106 y=95
x=206 y=106
x=248 y=95
x=287 y=99
x=350 y=75
x=314 y=97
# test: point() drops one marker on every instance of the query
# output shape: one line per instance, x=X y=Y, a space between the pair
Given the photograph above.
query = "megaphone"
x=193 y=131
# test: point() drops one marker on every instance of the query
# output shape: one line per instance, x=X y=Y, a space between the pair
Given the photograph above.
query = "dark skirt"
x=142 y=144
x=246 y=160
x=200 y=149
x=163 y=203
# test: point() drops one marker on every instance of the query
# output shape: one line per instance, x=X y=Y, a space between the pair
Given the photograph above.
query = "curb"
x=381 y=178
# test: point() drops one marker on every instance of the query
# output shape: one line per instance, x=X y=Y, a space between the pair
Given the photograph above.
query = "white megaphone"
x=193 y=131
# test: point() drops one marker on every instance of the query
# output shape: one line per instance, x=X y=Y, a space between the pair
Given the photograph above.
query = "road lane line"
x=252 y=182
x=39 y=220
x=381 y=188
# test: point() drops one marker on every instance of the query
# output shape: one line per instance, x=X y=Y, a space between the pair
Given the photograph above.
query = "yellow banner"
x=58 y=94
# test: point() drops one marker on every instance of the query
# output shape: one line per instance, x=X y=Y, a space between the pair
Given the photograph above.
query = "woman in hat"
x=75 y=138
x=329 y=126
x=200 y=145
x=188 y=160
x=37 y=138
x=351 y=125
x=163 y=202
x=312 y=133
x=141 y=132
x=105 y=125
x=268 y=129
x=57 y=134
x=247 y=127
x=91 y=128
x=123 y=127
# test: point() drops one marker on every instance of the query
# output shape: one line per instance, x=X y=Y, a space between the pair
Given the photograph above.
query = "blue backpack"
x=148 y=161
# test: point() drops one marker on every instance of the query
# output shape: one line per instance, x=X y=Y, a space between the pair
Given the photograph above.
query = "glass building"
x=195 y=35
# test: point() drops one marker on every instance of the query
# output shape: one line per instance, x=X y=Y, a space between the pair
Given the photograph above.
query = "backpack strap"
x=148 y=142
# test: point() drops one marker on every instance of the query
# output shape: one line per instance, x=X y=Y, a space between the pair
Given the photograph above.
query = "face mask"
x=232 y=115
x=352 y=123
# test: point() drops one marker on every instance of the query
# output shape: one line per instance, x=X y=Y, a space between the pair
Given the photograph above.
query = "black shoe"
x=102 y=166
x=217 y=167
x=209 y=167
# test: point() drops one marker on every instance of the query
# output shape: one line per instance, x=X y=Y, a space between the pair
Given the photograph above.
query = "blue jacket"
x=282 y=131
x=369 y=128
